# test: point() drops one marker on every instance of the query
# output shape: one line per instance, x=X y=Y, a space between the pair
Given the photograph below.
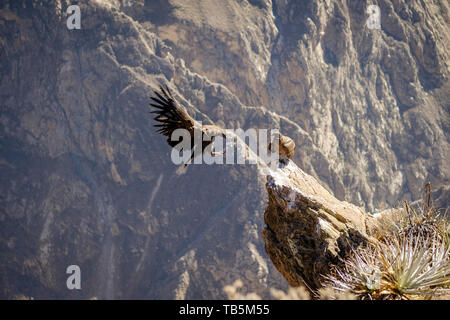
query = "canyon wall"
x=86 y=180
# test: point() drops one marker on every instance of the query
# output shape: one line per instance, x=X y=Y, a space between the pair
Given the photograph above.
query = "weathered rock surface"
x=87 y=181
x=308 y=229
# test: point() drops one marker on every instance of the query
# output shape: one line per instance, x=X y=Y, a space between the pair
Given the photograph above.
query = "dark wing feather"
x=170 y=115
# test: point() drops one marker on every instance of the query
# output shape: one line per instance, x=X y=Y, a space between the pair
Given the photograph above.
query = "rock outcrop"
x=308 y=229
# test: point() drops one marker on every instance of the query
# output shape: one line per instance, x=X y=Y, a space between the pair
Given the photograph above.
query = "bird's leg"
x=214 y=153
x=283 y=159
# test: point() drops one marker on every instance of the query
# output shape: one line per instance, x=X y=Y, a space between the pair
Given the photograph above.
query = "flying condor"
x=172 y=116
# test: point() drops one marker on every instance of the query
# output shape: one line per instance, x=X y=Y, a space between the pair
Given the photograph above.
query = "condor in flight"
x=172 y=116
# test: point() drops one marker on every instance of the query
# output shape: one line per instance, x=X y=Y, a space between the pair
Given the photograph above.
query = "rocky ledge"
x=307 y=228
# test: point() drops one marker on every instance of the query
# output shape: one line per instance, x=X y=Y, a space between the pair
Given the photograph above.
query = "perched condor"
x=286 y=146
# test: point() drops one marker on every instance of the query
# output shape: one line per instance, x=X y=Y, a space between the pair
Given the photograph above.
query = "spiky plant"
x=427 y=221
x=414 y=265
x=359 y=275
x=403 y=267
x=411 y=263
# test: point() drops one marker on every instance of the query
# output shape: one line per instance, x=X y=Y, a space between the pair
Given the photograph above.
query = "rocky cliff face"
x=86 y=181
x=375 y=102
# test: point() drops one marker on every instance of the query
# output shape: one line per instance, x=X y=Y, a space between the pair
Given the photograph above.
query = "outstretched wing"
x=170 y=115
